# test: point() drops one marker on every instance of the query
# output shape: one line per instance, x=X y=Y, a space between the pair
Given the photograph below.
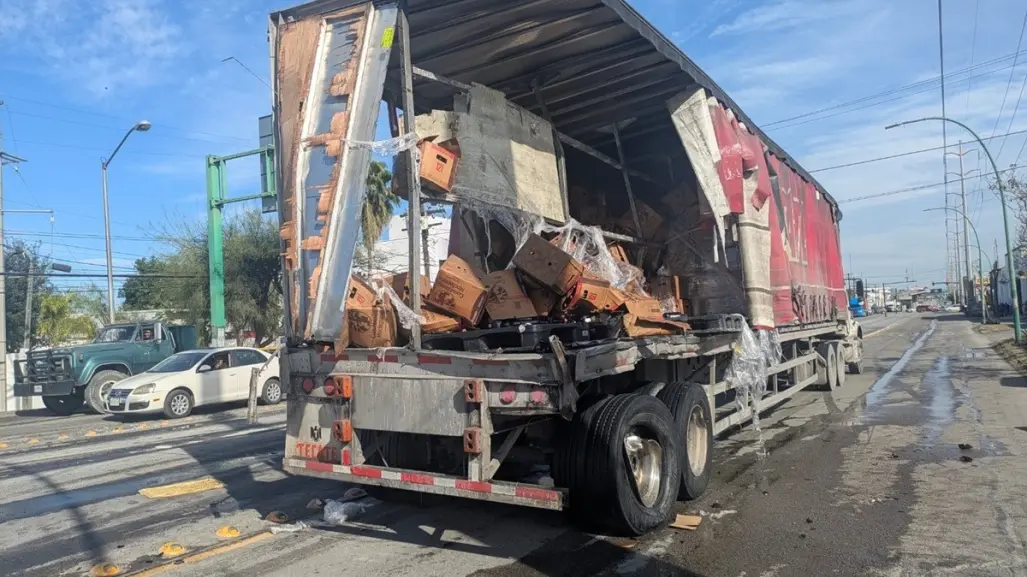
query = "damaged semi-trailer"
x=634 y=266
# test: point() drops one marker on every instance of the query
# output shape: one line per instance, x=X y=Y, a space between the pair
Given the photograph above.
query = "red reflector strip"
x=434 y=360
x=328 y=357
x=345 y=457
x=389 y=359
x=319 y=466
x=370 y=472
x=536 y=494
x=476 y=486
x=417 y=478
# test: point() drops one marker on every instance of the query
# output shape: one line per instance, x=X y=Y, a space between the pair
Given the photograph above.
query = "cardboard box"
x=645 y=319
x=507 y=300
x=593 y=295
x=372 y=327
x=548 y=265
x=459 y=291
x=619 y=253
x=543 y=300
x=436 y=323
x=438 y=165
x=360 y=294
x=401 y=285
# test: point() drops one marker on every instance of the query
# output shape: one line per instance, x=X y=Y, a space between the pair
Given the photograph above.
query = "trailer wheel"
x=692 y=416
x=856 y=368
x=633 y=462
x=568 y=468
x=839 y=352
x=827 y=372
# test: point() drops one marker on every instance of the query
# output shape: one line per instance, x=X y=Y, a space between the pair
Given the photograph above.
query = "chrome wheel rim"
x=180 y=404
x=697 y=441
x=273 y=392
x=645 y=460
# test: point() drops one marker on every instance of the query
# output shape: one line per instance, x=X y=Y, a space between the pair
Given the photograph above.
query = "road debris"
x=316 y=503
x=290 y=528
x=277 y=517
x=687 y=522
x=719 y=514
x=337 y=512
x=965 y=446
x=966 y=459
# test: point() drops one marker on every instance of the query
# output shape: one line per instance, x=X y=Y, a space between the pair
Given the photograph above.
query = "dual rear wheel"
x=627 y=458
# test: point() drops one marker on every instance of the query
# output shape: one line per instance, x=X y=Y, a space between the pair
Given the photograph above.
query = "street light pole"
x=141 y=126
x=1005 y=215
x=980 y=258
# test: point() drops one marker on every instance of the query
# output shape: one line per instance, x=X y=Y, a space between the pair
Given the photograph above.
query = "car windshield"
x=178 y=363
x=115 y=334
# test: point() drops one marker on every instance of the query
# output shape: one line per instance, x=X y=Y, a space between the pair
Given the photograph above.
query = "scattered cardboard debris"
x=686 y=522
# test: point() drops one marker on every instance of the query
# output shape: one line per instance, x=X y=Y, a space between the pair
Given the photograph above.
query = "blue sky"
x=76 y=74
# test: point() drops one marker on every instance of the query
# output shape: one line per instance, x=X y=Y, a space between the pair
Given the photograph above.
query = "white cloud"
x=788 y=14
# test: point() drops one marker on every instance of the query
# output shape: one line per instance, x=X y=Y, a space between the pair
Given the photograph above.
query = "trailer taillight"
x=308 y=385
x=329 y=386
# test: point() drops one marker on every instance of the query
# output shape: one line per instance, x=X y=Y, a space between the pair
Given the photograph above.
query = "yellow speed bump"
x=227 y=532
x=90 y=433
x=105 y=570
x=183 y=488
x=169 y=549
x=3 y=445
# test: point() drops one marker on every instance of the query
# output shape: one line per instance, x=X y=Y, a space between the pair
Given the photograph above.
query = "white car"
x=192 y=378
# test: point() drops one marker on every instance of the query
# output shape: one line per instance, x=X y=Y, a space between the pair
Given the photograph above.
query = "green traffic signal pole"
x=1005 y=217
x=216 y=201
x=980 y=257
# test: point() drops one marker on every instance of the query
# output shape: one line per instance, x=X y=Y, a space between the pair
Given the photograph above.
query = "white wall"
x=395 y=243
x=18 y=404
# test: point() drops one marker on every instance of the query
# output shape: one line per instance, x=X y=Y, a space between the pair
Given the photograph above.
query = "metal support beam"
x=627 y=181
x=216 y=201
x=413 y=179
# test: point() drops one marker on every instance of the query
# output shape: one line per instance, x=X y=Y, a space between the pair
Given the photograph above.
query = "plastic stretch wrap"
x=583 y=242
x=406 y=315
x=754 y=352
x=387 y=147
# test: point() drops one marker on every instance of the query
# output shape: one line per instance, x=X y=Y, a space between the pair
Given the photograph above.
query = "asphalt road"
x=865 y=480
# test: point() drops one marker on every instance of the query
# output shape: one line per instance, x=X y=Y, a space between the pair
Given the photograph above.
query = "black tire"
x=568 y=468
x=694 y=421
x=178 y=404
x=98 y=386
x=271 y=394
x=64 y=405
x=615 y=503
x=827 y=373
x=839 y=352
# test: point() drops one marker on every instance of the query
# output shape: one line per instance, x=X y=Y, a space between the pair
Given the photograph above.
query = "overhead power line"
x=1009 y=83
x=921 y=187
x=1018 y=98
x=929 y=83
x=909 y=153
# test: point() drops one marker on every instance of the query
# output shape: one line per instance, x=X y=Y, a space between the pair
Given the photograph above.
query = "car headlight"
x=144 y=389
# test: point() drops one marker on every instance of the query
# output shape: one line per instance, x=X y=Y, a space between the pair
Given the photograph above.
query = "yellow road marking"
x=33 y=441
x=170 y=549
x=227 y=532
x=3 y=445
x=184 y=488
x=90 y=433
x=201 y=555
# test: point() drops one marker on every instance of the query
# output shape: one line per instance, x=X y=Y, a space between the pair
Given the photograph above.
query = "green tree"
x=58 y=321
x=253 y=293
x=142 y=293
x=379 y=206
x=18 y=255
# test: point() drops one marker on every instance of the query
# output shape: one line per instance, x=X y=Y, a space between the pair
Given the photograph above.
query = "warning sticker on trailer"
x=315 y=452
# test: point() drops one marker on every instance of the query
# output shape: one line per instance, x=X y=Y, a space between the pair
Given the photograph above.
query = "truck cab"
x=68 y=377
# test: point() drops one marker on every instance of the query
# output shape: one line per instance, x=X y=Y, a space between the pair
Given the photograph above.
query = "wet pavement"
x=913 y=468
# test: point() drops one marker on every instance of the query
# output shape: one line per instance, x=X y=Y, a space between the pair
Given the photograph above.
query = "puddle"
x=941 y=406
x=881 y=388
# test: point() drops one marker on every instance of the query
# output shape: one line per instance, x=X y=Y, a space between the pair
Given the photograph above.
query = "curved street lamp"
x=141 y=126
x=980 y=257
x=1005 y=216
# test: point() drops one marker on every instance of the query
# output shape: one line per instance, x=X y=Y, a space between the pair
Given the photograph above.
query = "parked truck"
x=564 y=112
x=68 y=377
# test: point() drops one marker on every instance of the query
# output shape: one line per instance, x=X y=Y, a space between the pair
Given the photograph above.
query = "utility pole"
x=944 y=144
x=29 y=285
x=4 y=159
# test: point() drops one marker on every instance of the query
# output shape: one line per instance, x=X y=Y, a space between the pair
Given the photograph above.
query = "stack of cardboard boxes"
x=544 y=283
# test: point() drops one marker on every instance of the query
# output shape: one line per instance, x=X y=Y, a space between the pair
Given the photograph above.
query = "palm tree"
x=379 y=206
x=58 y=321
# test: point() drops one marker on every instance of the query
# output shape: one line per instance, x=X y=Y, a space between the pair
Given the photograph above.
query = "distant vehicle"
x=923 y=308
x=892 y=308
x=187 y=380
x=878 y=309
x=856 y=307
x=68 y=377
x=953 y=309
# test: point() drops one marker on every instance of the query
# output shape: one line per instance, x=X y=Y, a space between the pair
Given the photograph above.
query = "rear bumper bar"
x=48 y=389
x=510 y=493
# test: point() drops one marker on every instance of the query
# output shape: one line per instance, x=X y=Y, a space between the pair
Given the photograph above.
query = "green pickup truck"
x=67 y=377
